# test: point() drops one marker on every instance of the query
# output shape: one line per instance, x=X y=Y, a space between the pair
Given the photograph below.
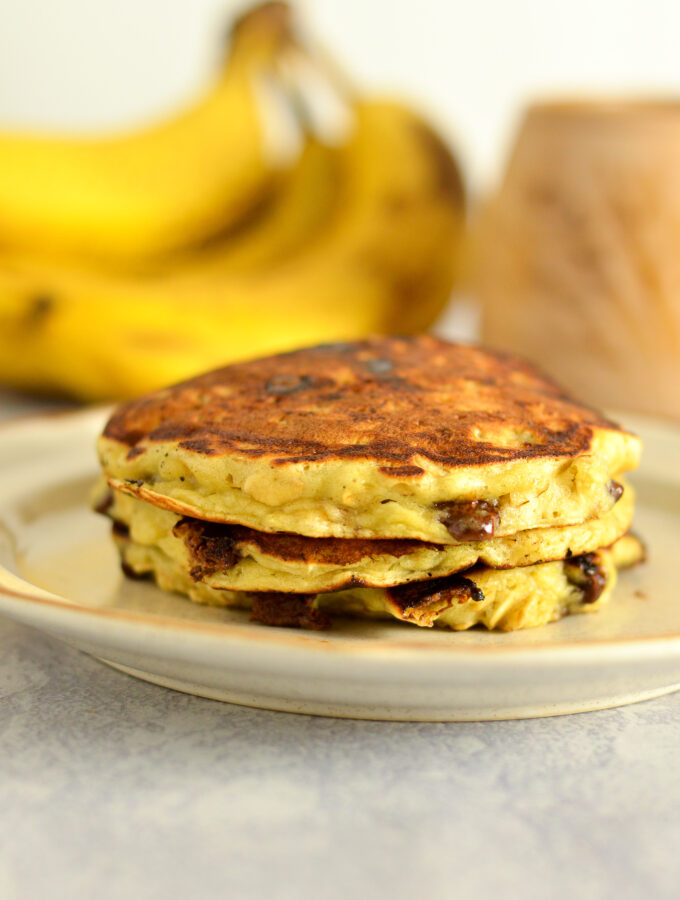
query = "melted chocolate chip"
x=120 y=530
x=471 y=520
x=212 y=546
x=423 y=601
x=615 y=490
x=414 y=593
x=129 y=572
x=586 y=573
x=105 y=503
x=288 y=610
x=279 y=385
x=136 y=481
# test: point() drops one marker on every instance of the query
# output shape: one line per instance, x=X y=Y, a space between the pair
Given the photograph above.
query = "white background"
x=106 y=63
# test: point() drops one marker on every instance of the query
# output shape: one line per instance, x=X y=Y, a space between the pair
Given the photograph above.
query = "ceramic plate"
x=59 y=573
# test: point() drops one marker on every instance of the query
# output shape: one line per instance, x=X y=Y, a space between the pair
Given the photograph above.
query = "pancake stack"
x=436 y=483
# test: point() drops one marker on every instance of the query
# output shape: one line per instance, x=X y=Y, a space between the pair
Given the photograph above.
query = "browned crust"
x=136 y=488
x=394 y=401
x=422 y=601
x=212 y=548
x=288 y=610
x=216 y=546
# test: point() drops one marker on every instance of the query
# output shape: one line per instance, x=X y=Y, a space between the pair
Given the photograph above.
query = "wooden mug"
x=577 y=256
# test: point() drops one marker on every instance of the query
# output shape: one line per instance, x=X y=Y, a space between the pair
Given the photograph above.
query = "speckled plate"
x=59 y=573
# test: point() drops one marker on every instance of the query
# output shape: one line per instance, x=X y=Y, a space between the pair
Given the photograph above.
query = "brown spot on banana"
x=446 y=182
x=39 y=309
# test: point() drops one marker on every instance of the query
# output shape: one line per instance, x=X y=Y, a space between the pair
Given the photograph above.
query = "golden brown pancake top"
x=391 y=400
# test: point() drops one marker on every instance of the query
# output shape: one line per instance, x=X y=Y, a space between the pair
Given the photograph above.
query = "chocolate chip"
x=471 y=520
x=105 y=503
x=615 y=490
x=586 y=573
x=120 y=529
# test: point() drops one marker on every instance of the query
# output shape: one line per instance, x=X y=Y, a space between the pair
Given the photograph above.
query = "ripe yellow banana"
x=294 y=215
x=138 y=195
x=290 y=220
x=383 y=260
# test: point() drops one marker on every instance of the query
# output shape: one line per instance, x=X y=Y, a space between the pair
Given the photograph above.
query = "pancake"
x=411 y=438
x=504 y=599
x=238 y=558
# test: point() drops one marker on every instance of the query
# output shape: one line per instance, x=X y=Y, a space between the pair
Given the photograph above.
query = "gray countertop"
x=111 y=787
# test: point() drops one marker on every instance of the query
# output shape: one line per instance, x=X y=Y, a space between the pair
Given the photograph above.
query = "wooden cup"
x=577 y=256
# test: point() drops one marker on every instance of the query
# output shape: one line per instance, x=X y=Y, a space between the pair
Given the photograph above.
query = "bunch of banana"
x=359 y=235
x=131 y=196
